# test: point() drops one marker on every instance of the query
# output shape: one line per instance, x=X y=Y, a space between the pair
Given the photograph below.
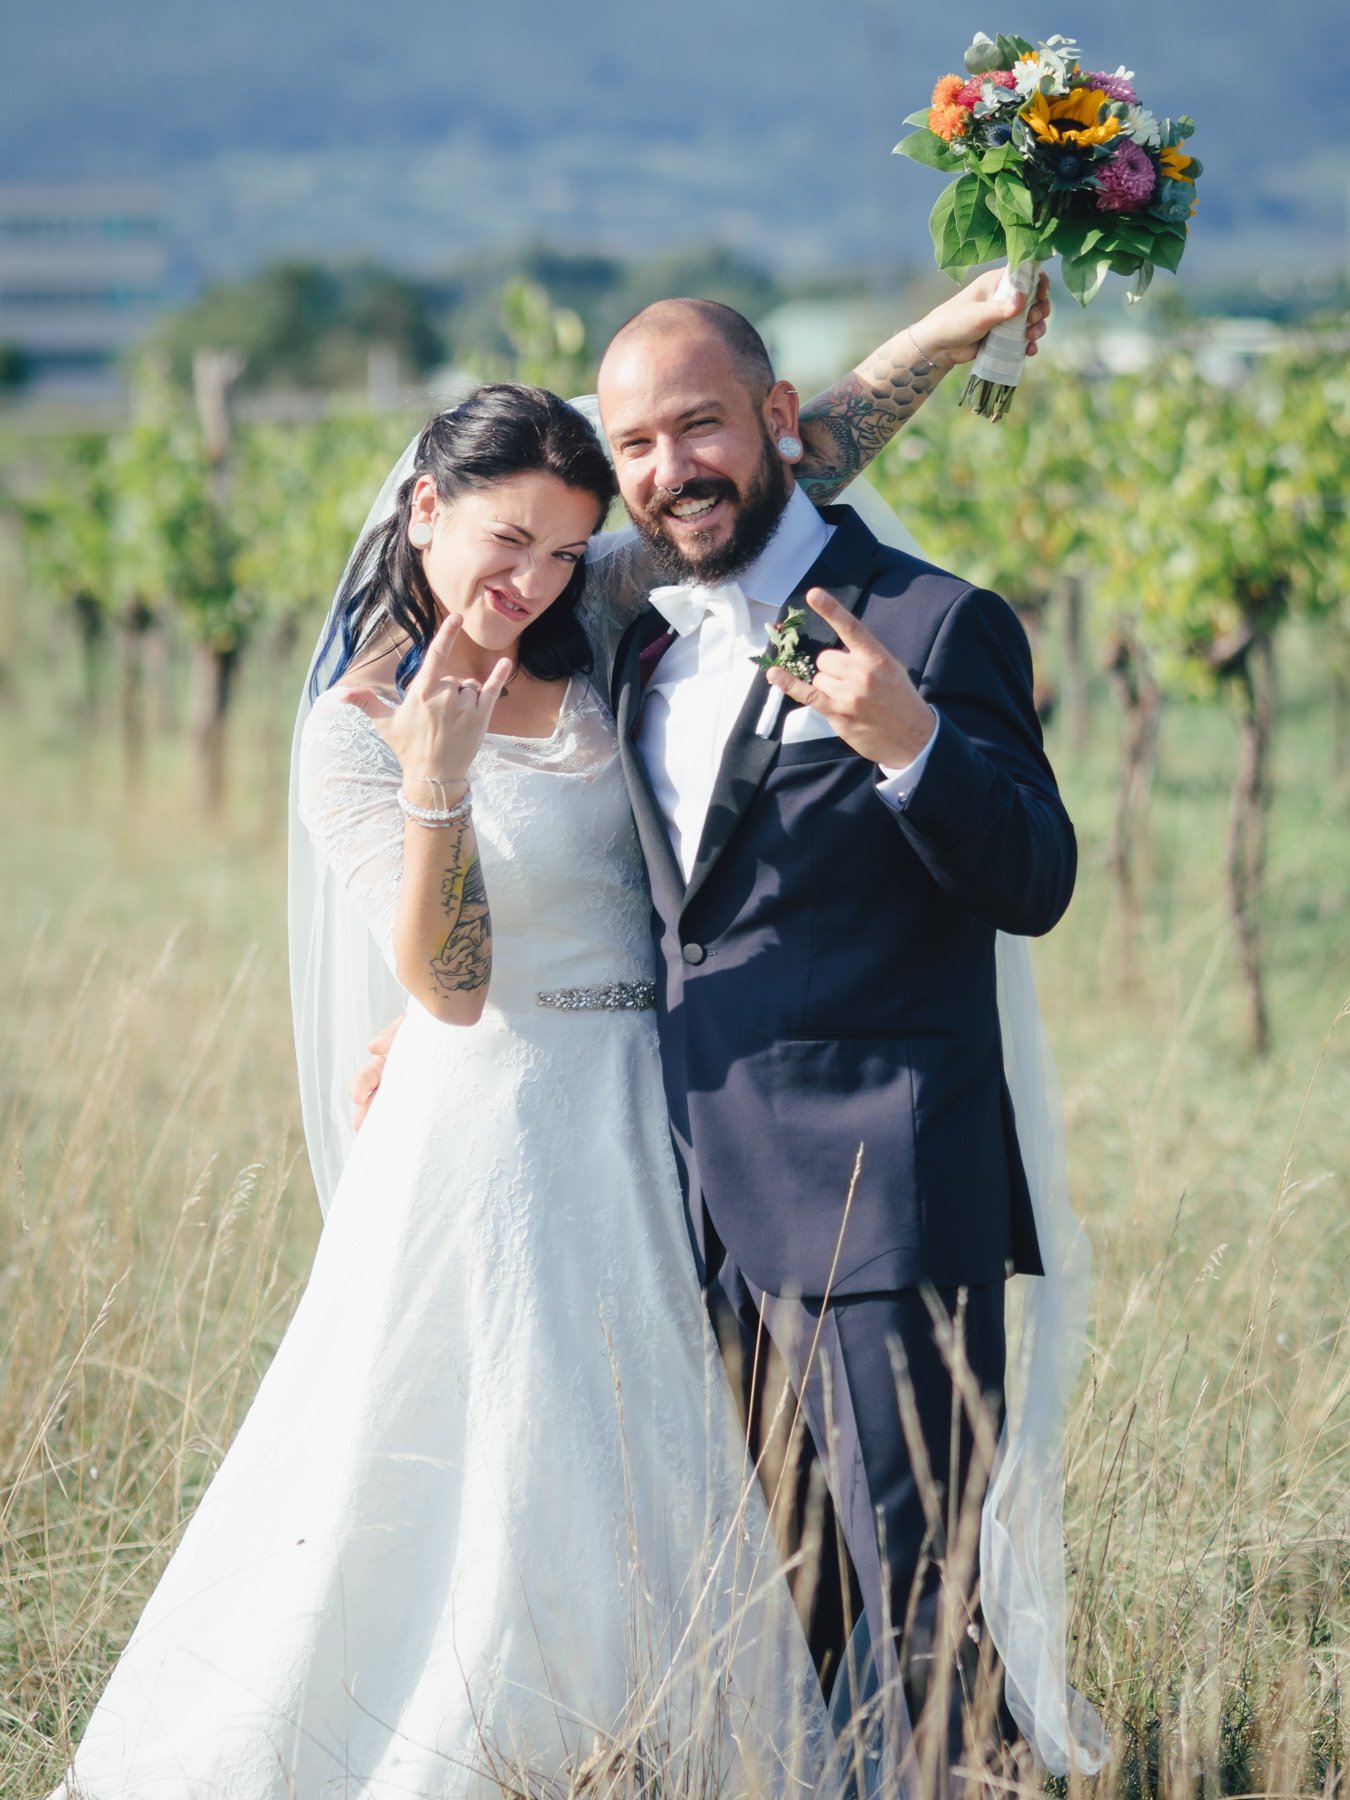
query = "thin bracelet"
x=437 y=815
x=438 y=788
x=925 y=364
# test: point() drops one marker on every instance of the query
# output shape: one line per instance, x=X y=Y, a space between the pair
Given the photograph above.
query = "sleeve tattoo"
x=852 y=422
x=464 y=960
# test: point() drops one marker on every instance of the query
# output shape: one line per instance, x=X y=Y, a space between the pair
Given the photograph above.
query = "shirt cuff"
x=896 y=785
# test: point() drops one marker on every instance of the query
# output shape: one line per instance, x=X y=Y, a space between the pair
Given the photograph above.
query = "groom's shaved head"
x=680 y=318
x=697 y=425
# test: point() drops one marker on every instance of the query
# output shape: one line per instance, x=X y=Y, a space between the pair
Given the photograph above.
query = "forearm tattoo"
x=844 y=428
x=464 y=961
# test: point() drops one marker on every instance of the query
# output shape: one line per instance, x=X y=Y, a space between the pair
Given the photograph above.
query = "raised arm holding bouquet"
x=1048 y=161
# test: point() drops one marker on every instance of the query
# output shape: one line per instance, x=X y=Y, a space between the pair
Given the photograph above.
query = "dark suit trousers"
x=841 y=1359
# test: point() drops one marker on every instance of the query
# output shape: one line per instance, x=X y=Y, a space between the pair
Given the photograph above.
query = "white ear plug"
x=790 y=447
x=419 y=535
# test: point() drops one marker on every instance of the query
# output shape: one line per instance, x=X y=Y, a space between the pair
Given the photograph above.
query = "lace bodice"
x=559 y=851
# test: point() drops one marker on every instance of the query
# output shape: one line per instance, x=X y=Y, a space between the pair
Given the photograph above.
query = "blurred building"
x=811 y=342
x=82 y=273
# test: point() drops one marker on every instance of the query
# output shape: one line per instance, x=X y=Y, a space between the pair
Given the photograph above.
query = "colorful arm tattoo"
x=852 y=422
x=464 y=961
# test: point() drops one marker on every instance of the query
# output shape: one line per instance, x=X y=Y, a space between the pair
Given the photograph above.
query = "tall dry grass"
x=157 y=1220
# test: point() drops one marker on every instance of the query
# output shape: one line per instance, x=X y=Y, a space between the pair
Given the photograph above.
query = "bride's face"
x=501 y=555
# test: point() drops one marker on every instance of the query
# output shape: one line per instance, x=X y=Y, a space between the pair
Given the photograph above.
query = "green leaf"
x=920 y=117
x=1012 y=201
x=1084 y=275
x=1023 y=244
x=989 y=246
x=983 y=57
x=1131 y=237
x=1141 y=283
x=1167 y=250
x=1010 y=48
x=1072 y=238
x=946 y=238
x=927 y=148
x=970 y=208
x=965 y=231
x=1007 y=156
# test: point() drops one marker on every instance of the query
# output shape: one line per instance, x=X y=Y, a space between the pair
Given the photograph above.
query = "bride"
x=488 y=1525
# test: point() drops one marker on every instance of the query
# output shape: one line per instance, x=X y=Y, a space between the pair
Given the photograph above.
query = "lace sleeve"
x=617 y=584
x=349 y=782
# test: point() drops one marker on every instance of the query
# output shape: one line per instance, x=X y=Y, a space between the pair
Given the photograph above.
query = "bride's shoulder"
x=338 y=735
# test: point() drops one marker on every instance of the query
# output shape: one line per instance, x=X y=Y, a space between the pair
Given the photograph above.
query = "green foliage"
x=548 y=341
x=1006 y=508
x=299 y=496
x=300 y=325
x=965 y=230
x=171 y=538
x=67 y=526
x=1189 y=511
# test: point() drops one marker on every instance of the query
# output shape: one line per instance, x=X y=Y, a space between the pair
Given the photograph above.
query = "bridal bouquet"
x=1049 y=161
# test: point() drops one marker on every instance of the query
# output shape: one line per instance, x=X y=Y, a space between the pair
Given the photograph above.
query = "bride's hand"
x=954 y=331
x=437 y=731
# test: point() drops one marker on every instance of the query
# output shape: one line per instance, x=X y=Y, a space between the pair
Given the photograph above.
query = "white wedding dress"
x=489 y=1510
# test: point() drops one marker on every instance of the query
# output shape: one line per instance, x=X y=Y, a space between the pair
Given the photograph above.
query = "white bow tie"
x=685 y=607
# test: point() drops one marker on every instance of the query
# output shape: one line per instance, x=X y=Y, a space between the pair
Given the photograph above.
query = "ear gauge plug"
x=790 y=447
x=419 y=535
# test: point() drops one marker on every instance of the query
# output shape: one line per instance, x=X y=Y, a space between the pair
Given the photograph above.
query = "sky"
x=417 y=132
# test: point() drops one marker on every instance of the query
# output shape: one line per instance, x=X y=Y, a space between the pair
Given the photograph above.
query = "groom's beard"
x=758 y=512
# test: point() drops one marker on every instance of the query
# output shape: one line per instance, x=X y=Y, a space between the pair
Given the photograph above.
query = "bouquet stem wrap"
x=997 y=368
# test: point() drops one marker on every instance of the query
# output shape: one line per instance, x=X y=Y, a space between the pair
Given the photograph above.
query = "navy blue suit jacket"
x=826 y=976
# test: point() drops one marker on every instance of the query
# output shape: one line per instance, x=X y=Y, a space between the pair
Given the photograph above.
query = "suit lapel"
x=664 y=871
x=845 y=567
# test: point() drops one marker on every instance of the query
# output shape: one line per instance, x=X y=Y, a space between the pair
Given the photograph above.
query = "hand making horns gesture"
x=437 y=731
x=864 y=692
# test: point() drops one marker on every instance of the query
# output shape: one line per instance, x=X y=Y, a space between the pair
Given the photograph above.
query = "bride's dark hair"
x=502 y=429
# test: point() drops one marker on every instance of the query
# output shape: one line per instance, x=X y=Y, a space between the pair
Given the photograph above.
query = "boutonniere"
x=785 y=648
x=785 y=651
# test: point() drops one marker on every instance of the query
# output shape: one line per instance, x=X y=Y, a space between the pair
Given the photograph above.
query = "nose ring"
x=677 y=489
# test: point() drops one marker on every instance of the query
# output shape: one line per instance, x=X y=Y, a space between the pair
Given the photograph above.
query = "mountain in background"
x=415 y=134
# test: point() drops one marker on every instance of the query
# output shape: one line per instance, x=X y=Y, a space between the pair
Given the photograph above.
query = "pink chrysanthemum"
x=1126 y=181
x=969 y=92
x=1115 y=87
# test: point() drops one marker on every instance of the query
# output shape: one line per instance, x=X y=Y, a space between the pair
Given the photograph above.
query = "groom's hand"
x=953 y=332
x=862 y=690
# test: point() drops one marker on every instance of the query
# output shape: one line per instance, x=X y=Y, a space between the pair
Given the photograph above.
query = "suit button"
x=693 y=953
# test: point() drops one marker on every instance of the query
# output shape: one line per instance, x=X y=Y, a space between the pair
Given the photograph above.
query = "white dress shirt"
x=700 y=685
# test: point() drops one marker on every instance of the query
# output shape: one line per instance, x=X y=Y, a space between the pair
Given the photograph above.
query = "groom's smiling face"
x=694 y=446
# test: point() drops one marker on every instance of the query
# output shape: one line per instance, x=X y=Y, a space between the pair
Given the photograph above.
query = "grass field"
x=157 y=1218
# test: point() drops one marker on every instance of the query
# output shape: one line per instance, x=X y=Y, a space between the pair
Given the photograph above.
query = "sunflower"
x=1174 y=163
x=1072 y=118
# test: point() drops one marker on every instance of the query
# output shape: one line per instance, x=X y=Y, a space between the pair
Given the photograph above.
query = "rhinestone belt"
x=609 y=996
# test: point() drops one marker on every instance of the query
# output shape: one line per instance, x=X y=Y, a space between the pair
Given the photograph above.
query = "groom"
x=828 y=874
x=831 y=852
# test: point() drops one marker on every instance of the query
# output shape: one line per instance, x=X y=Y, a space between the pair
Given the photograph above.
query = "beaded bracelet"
x=437 y=816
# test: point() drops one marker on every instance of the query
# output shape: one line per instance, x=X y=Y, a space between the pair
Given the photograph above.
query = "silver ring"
x=678 y=489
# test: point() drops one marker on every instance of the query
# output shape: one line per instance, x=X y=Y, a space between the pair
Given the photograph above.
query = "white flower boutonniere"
x=785 y=648
x=785 y=651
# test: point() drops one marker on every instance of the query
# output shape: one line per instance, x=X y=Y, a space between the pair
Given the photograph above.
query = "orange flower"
x=946 y=90
x=950 y=121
